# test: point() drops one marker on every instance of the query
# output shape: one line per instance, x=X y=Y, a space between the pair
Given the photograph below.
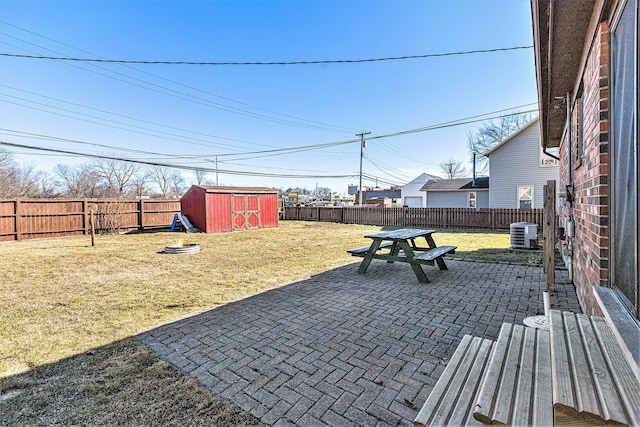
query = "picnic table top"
x=401 y=234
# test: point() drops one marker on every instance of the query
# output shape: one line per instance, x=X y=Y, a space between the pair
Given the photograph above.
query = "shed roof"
x=482 y=183
x=226 y=189
x=381 y=194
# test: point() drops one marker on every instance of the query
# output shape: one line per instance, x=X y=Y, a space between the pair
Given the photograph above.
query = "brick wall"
x=590 y=173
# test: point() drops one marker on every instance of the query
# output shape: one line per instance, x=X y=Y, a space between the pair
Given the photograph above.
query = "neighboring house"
x=457 y=193
x=412 y=194
x=519 y=170
x=587 y=70
x=392 y=194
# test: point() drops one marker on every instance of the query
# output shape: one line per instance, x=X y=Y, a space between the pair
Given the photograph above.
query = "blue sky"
x=189 y=114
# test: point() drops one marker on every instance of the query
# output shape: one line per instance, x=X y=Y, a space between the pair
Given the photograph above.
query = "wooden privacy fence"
x=40 y=218
x=487 y=218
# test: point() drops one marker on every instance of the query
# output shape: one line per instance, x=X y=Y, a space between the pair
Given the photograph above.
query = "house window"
x=525 y=196
x=623 y=261
x=472 y=199
x=548 y=161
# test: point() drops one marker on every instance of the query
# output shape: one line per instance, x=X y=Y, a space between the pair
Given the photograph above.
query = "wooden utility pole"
x=362 y=143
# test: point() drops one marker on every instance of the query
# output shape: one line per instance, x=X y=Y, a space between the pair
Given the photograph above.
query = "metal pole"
x=362 y=142
x=217 y=182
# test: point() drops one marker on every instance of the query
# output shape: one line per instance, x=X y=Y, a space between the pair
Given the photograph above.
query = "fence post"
x=85 y=223
x=141 y=214
x=16 y=210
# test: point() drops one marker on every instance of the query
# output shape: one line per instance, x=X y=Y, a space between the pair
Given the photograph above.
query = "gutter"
x=544 y=150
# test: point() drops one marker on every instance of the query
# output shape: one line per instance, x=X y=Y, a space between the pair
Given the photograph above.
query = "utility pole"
x=217 y=182
x=362 y=142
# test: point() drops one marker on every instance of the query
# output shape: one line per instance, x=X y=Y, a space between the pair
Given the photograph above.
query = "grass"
x=69 y=310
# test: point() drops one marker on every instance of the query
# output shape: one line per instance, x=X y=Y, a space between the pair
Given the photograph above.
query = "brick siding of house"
x=590 y=176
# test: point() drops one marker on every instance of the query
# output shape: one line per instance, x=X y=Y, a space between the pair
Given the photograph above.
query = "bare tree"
x=45 y=185
x=201 y=177
x=139 y=185
x=6 y=159
x=491 y=133
x=30 y=182
x=323 y=192
x=116 y=174
x=176 y=185
x=79 y=181
x=22 y=181
x=161 y=177
x=8 y=174
x=452 y=169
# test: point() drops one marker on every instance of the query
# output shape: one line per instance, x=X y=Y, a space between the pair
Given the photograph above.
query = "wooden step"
x=592 y=379
x=451 y=400
x=516 y=389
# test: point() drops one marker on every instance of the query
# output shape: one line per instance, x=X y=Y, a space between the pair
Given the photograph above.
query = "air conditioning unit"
x=524 y=235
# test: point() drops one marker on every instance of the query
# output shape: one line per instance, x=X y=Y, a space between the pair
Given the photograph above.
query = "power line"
x=326 y=61
x=446 y=125
x=145 y=84
x=150 y=132
x=335 y=127
x=125 y=117
x=387 y=170
x=230 y=172
x=387 y=173
x=290 y=150
x=191 y=168
x=271 y=152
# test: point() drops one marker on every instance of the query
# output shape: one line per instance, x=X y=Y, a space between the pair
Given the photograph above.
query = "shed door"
x=245 y=211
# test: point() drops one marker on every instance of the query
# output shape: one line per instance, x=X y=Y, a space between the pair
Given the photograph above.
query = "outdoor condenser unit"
x=524 y=235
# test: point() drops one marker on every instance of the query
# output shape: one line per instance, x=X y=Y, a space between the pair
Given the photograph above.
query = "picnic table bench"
x=574 y=374
x=363 y=250
x=403 y=248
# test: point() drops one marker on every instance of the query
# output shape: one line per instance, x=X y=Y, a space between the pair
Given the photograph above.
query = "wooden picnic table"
x=404 y=248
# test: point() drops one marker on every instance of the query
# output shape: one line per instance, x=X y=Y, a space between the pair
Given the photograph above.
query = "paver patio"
x=346 y=349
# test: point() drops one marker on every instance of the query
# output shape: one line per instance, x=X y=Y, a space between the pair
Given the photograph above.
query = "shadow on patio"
x=346 y=349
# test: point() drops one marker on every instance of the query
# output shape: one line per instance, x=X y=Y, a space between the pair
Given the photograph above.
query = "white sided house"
x=457 y=193
x=412 y=195
x=519 y=170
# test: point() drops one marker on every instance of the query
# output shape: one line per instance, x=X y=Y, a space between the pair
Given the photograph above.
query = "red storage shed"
x=215 y=209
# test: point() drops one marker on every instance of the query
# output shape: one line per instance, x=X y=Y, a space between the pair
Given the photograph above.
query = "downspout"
x=569 y=139
x=544 y=150
x=569 y=220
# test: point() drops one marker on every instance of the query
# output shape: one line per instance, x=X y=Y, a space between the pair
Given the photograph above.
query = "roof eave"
x=560 y=28
x=512 y=136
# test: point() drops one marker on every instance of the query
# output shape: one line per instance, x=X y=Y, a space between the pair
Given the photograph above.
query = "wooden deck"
x=575 y=374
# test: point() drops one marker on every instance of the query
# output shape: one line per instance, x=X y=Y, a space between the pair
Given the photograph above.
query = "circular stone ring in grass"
x=187 y=248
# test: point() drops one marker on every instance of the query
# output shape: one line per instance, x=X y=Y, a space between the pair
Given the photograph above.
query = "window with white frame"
x=472 y=199
x=525 y=196
x=546 y=160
